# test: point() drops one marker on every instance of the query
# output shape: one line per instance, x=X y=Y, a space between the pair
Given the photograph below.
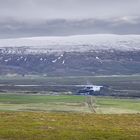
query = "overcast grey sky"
x=106 y=16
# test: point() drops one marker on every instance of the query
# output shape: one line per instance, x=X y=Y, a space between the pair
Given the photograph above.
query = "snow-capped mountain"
x=79 y=43
x=71 y=55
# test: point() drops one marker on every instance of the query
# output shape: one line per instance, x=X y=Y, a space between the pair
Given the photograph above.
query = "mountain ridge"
x=76 y=43
x=71 y=56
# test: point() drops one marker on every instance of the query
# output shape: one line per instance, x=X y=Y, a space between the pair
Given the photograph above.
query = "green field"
x=109 y=105
x=41 y=117
x=68 y=126
x=26 y=116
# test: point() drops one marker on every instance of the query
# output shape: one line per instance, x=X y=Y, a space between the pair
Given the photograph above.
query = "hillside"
x=74 y=55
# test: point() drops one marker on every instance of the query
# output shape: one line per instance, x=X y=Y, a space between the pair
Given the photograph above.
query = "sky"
x=23 y=18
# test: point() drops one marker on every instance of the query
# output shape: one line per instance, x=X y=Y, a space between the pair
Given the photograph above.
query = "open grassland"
x=109 y=105
x=41 y=117
x=68 y=126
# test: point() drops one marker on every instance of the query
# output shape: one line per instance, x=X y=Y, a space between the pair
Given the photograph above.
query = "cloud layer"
x=44 y=9
x=66 y=17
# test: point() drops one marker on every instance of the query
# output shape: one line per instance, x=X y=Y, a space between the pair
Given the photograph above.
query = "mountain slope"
x=73 y=55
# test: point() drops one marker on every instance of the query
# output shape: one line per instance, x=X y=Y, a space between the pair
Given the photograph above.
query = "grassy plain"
x=11 y=102
x=68 y=126
x=42 y=117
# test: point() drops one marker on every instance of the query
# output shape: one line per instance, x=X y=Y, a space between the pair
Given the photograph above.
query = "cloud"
x=62 y=27
x=52 y=9
x=67 y=17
